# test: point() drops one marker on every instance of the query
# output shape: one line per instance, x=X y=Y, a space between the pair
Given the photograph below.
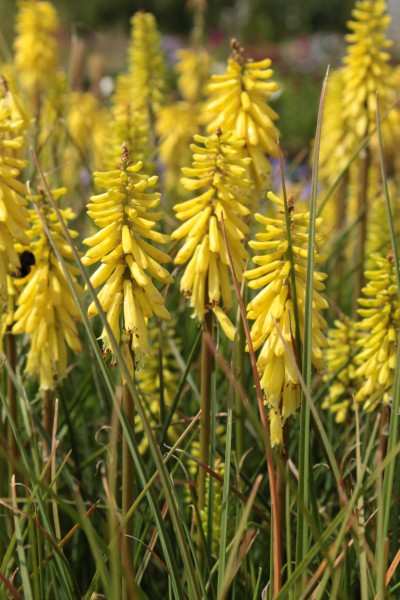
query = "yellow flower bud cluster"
x=367 y=68
x=379 y=331
x=36 y=54
x=340 y=359
x=220 y=170
x=130 y=125
x=193 y=69
x=335 y=150
x=87 y=127
x=86 y=121
x=238 y=103
x=124 y=247
x=13 y=204
x=52 y=134
x=177 y=123
x=47 y=310
x=146 y=63
x=148 y=380
x=219 y=469
x=274 y=302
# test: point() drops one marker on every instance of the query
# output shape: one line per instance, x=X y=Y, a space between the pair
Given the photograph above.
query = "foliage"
x=146 y=459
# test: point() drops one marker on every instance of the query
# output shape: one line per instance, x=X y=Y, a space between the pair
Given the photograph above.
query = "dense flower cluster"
x=379 y=330
x=124 y=247
x=238 y=103
x=150 y=383
x=274 y=304
x=367 y=69
x=193 y=70
x=129 y=125
x=47 y=310
x=340 y=362
x=146 y=63
x=13 y=205
x=36 y=55
x=221 y=171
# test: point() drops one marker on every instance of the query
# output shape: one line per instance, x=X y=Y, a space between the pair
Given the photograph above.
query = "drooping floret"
x=379 y=331
x=275 y=304
x=124 y=246
x=238 y=103
x=220 y=171
x=47 y=310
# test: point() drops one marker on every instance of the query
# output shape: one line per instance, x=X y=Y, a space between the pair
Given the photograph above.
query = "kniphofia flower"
x=36 y=53
x=220 y=171
x=129 y=124
x=367 y=70
x=146 y=63
x=275 y=302
x=128 y=259
x=47 y=310
x=193 y=69
x=379 y=331
x=13 y=205
x=238 y=103
x=150 y=384
x=340 y=362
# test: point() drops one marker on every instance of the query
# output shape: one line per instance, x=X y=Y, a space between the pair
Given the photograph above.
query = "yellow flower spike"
x=340 y=356
x=176 y=125
x=87 y=127
x=127 y=260
x=13 y=204
x=378 y=331
x=193 y=69
x=130 y=124
x=36 y=53
x=238 y=102
x=367 y=69
x=273 y=307
x=206 y=277
x=47 y=311
x=148 y=380
x=146 y=63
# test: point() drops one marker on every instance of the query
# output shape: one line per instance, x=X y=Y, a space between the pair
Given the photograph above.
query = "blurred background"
x=302 y=37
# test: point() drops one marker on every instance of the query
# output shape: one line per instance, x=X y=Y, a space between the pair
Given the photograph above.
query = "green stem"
x=113 y=526
x=12 y=397
x=128 y=498
x=383 y=438
x=205 y=406
x=281 y=481
x=362 y=213
x=239 y=407
x=340 y=223
x=48 y=416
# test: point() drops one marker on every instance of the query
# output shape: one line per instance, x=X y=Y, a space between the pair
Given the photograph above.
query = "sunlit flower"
x=219 y=469
x=221 y=173
x=340 y=362
x=13 y=204
x=129 y=260
x=86 y=130
x=379 y=332
x=129 y=124
x=47 y=310
x=275 y=303
x=193 y=70
x=146 y=63
x=150 y=384
x=36 y=53
x=176 y=125
x=238 y=103
x=367 y=69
